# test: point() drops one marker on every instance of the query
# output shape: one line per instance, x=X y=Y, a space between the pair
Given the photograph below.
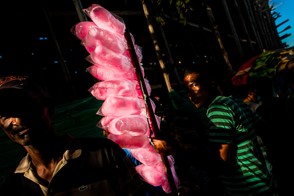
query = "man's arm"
x=224 y=152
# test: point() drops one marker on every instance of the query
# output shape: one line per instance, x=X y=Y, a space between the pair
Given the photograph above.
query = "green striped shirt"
x=232 y=122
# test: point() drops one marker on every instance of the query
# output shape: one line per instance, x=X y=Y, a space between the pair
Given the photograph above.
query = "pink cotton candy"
x=134 y=125
x=143 y=73
x=149 y=174
x=104 y=122
x=146 y=155
x=138 y=52
x=99 y=37
x=158 y=120
x=165 y=182
x=129 y=88
x=156 y=174
x=148 y=88
x=102 y=72
x=104 y=19
x=124 y=112
x=82 y=28
x=128 y=141
x=165 y=185
x=173 y=170
x=102 y=90
x=105 y=56
x=120 y=106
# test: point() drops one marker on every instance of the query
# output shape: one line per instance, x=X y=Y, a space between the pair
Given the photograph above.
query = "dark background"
x=36 y=40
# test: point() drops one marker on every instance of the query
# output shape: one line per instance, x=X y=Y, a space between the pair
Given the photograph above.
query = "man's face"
x=15 y=129
x=197 y=91
x=23 y=120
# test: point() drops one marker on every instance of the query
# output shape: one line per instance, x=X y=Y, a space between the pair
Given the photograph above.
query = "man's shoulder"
x=223 y=100
x=227 y=100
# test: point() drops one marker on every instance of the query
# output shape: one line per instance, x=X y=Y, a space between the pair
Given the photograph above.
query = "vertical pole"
x=243 y=24
x=150 y=113
x=233 y=29
x=79 y=9
x=156 y=47
x=218 y=38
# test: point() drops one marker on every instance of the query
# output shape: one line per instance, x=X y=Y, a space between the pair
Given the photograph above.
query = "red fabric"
x=240 y=78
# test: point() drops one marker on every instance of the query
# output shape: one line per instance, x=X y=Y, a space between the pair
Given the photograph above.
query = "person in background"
x=58 y=165
x=194 y=162
x=183 y=134
x=233 y=128
x=277 y=112
x=257 y=92
x=252 y=99
x=271 y=100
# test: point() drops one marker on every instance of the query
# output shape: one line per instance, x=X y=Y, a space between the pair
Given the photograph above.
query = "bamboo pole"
x=155 y=128
x=79 y=9
x=156 y=47
x=243 y=25
x=150 y=113
x=233 y=29
x=252 y=22
x=219 y=39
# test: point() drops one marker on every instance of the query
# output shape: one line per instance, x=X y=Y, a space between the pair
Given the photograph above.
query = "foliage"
x=174 y=8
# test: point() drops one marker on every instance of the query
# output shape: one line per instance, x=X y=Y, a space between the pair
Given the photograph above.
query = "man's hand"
x=161 y=146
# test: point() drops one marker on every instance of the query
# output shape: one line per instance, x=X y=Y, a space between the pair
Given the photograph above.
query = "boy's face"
x=197 y=91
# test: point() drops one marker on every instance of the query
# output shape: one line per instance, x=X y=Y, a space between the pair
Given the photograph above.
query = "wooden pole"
x=156 y=47
x=219 y=39
x=150 y=113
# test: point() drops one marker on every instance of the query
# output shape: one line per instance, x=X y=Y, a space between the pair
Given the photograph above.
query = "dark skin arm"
x=160 y=146
x=224 y=152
